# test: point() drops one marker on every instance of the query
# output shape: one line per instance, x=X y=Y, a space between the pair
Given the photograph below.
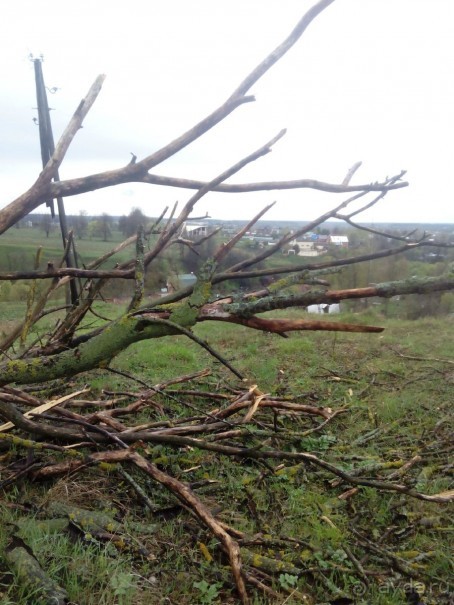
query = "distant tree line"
x=83 y=225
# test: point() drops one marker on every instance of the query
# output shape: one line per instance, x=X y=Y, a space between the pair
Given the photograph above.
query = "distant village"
x=331 y=237
x=309 y=244
x=315 y=243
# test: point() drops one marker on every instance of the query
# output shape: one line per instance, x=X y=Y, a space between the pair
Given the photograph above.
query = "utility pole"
x=47 y=149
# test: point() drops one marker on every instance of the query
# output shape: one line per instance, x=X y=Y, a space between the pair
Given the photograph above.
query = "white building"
x=194 y=230
x=307 y=248
x=324 y=308
x=339 y=240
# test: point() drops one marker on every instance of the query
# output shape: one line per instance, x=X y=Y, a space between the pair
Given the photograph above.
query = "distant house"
x=194 y=230
x=305 y=248
x=339 y=240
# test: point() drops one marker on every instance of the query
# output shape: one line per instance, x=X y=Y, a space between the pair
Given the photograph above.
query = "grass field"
x=19 y=246
x=397 y=389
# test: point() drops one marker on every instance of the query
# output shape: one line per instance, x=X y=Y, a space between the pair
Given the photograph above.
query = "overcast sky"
x=370 y=80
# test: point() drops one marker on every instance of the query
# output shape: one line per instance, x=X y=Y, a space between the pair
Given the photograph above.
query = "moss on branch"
x=414 y=285
x=98 y=351
x=95 y=353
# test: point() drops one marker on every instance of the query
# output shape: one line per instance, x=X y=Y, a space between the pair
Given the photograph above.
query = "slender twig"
x=415 y=358
x=10 y=413
x=202 y=343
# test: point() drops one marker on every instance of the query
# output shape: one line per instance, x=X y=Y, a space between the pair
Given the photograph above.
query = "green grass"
x=396 y=408
x=106 y=578
x=19 y=247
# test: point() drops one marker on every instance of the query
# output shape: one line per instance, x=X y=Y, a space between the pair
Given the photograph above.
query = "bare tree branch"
x=166 y=181
x=32 y=198
x=350 y=174
x=42 y=190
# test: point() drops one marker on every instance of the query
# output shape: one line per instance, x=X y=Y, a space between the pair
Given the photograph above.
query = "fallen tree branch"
x=42 y=188
x=415 y=358
x=189 y=499
x=67 y=272
x=154 y=179
x=44 y=408
x=10 y=413
x=413 y=285
x=281 y=326
x=31 y=576
x=98 y=351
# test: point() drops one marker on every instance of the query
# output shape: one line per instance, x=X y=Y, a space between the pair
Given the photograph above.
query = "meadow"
x=307 y=536
x=19 y=247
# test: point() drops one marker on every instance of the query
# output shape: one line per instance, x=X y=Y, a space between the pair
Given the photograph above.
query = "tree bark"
x=98 y=351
